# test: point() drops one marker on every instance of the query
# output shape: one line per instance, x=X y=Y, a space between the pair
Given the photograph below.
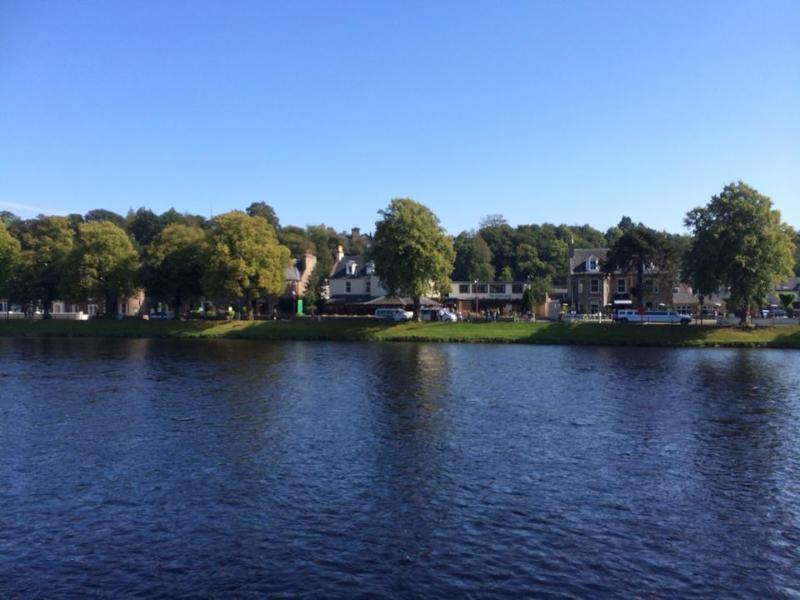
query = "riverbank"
x=365 y=330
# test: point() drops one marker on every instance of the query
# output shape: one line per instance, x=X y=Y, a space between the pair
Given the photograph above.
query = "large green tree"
x=265 y=211
x=174 y=265
x=104 y=263
x=43 y=272
x=9 y=254
x=473 y=258
x=413 y=255
x=246 y=260
x=740 y=243
x=638 y=249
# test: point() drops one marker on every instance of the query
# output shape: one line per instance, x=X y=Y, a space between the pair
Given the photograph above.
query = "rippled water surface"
x=145 y=467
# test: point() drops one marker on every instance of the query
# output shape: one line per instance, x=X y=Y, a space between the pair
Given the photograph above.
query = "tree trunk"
x=176 y=308
x=249 y=306
x=640 y=284
x=111 y=305
x=702 y=304
x=417 y=312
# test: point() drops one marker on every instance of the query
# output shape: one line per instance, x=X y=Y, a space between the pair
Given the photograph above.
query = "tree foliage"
x=265 y=211
x=174 y=265
x=104 y=263
x=413 y=255
x=9 y=254
x=246 y=260
x=44 y=266
x=642 y=249
x=473 y=259
x=739 y=243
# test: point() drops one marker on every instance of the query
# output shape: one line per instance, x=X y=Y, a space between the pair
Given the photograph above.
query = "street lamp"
x=475 y=289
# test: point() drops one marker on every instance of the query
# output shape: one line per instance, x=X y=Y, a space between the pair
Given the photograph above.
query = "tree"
x=47 y=245
x=104 y=262
x=536 y=293
x=637 y=250
x=797 y=253
x=506 y=274
x=786 y=301
x=246 y=260
x=143 y=225
x=473 y=259
x=265 y=211
x=174 y=265
x=9 y=254
x=413 y=255
x=7 y=218
x=101 y=214
x=296 y=239
x=739 y=243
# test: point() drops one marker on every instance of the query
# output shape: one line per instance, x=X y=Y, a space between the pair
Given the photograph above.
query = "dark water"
x=230 y=469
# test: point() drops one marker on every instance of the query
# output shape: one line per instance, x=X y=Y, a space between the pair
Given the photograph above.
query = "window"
x=595 y=286
x=92 y=308
x=591 y=264
x=580 y=287
x=463 y=288
x=347 y=287
x=58 y=307
x=480 y=288
x=595 y=308
x=352 y=266
x=516 y=288
x=651 y=286
x=3 y=307
x=580 y=309
x=370 y=268
x=621 y=286
x=497 y=288
x=369 y=286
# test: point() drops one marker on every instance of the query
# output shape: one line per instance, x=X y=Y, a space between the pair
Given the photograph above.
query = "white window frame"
x=594 y=286
x=622 y=286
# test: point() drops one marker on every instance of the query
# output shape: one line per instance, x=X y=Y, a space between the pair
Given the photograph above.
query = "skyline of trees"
x=40 y=258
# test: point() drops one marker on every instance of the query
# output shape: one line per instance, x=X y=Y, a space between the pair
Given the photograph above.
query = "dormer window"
x=352 y=267
x=592 y=264
x=370 y=268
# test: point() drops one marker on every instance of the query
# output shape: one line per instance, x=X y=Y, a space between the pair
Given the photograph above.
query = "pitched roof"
x=790 y=285
x=340 y=268
x=577 y=262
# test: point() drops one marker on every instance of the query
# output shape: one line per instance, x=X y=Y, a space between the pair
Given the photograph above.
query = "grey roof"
x=340 y=268
x=790 y=285
x=577 y=262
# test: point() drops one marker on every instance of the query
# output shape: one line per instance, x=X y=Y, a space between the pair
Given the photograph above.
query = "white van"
x=651 y=316
x=393 y=314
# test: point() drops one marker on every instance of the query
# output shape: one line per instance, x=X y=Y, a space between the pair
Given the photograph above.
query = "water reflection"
x=402 y=470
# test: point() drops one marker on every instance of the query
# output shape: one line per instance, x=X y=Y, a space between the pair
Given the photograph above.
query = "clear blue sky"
x=575 y=112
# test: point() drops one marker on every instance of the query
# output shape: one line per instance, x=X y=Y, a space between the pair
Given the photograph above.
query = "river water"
x=230 y=468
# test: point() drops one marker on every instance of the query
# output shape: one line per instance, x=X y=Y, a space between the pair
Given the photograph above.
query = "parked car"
x=394 y=315
x=437 y=314
x=651 y=316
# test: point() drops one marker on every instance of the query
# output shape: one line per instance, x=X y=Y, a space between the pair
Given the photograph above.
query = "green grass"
x=365 y=330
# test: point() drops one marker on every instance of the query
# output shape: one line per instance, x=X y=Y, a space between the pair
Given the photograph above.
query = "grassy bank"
x=364 y=330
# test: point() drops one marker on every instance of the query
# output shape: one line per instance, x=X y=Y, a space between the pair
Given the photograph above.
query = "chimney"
x=355 y=234
x=571 y=246
x=339 y=253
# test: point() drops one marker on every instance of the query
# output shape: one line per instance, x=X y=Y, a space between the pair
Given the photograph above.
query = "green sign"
x=299 y=306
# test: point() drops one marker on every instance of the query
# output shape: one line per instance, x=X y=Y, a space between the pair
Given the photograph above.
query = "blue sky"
x=575 y=112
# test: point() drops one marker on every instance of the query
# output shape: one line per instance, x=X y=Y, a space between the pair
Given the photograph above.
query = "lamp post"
x=475 y=289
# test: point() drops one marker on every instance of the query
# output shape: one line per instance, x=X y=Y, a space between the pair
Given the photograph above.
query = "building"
x=592 y=291
x=505 y=296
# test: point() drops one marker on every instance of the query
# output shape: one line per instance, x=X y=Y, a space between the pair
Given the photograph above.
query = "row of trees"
x=738 y=242
x=234 y=256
